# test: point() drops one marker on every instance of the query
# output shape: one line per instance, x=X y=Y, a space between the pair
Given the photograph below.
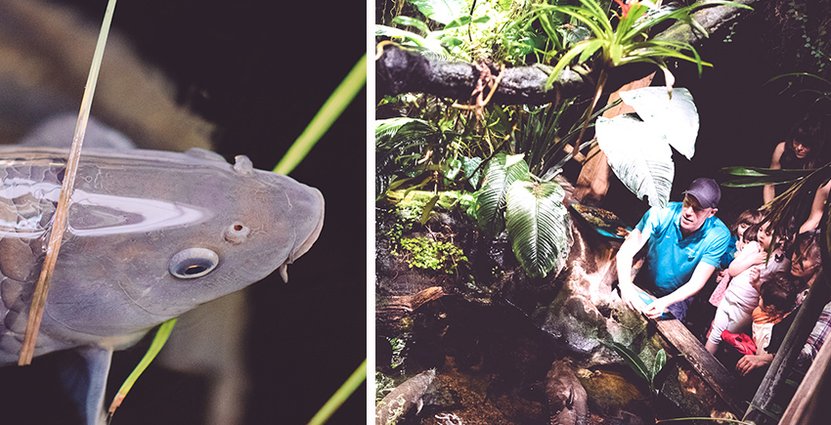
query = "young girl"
x=739 y=231
x=734 y=312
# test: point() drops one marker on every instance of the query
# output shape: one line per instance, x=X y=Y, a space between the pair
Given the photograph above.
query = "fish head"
x=152 y=235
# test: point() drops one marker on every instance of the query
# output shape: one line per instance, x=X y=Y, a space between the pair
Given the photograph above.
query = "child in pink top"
x=734 y=312
x=745 y=220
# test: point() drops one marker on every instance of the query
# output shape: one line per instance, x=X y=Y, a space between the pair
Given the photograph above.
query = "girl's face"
x=741 y=228
x=763 y=235
x=800 y=150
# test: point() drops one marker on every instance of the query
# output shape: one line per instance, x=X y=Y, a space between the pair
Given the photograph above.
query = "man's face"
x=693 y=215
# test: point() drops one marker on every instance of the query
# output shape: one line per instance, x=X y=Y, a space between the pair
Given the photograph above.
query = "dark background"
x=259 y=70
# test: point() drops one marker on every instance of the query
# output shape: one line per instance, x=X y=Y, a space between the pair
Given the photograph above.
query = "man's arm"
x=624 y=259
x=699 y=278
x=768 y=193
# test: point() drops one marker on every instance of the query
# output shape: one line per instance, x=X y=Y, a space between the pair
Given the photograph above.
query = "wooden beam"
x=804 y=406
x=707 y=366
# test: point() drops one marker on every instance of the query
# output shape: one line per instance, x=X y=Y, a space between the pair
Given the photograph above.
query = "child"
x=739 y=232
x=776 y=303
x=742 y=295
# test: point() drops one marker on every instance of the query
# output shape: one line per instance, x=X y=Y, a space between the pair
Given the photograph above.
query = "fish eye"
x=193 y=262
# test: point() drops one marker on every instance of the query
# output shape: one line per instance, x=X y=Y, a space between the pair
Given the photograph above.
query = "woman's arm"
x=817 y=208
x=768 y=193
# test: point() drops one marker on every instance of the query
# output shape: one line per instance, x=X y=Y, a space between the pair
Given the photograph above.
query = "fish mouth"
x=304 y=246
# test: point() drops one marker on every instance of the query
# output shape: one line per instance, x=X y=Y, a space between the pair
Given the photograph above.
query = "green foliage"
x=537 y=222
x=538 y=226
x=426 y=253
x=625 y=38
x=383 y=386
x=648 y=374
x=501 y=171
x=466 y=30
x=412 y=153
x=442 y=11
x=398 y=345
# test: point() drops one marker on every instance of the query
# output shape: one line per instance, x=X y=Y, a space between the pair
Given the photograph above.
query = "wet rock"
x=610 y=392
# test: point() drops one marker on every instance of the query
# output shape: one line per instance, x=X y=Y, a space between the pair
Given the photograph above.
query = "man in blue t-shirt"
x=685 y=244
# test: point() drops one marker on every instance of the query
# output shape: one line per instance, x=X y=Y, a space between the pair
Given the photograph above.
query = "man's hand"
x=630 y=295
x=656 y=309
x=750 y=362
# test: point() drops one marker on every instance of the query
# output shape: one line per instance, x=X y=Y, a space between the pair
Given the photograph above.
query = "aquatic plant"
x=640 y=368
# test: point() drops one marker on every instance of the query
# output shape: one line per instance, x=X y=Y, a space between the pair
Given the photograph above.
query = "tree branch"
x=402 y=71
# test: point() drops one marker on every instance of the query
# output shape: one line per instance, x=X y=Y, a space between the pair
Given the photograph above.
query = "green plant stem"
x=158 y=342
x=340 y=396
x=325 y=117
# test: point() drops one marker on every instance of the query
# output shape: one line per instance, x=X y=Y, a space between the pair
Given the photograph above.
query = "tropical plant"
x=412 y=153
x=622 y=39
x=640 y=368
x=531 y=211
x=638 y=147
x=806 y=85
x=466 y=30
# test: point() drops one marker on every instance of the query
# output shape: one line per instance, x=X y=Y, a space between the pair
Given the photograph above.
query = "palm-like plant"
x=622 y=39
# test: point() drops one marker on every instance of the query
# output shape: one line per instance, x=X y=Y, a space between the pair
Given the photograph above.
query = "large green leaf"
x=639 y=156
x=755 y=176
x=539 y=226
x=501 y=171
x=442 y=11
x=405 y=127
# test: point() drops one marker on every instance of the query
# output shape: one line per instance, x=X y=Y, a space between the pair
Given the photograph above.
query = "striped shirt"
x=817 y=338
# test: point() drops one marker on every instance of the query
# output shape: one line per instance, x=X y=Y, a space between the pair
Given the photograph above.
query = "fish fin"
x=205 y=154
x=419 y=405
x=284 y=272
x=57 y=132
x=570 y=400
x=86 y=380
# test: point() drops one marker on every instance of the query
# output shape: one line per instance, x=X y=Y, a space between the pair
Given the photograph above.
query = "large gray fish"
x=151 y=235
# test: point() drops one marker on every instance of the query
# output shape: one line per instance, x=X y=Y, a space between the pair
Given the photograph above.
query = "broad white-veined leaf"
x=539 y=226
x=638 y=155
x=674 y=115
x=501 y=171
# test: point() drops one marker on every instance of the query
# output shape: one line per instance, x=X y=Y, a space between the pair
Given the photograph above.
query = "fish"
x=151 y=235
x=567 y=399
x=404 y=398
